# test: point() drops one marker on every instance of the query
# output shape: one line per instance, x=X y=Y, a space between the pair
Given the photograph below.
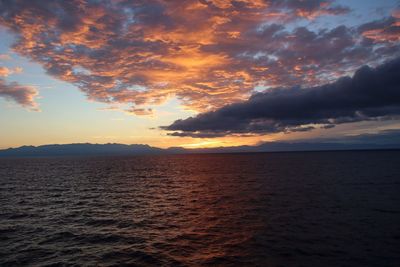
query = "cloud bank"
x=371 y=94
x=207 y=53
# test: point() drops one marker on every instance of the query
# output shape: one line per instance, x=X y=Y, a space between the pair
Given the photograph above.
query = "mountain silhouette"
x=87 y=149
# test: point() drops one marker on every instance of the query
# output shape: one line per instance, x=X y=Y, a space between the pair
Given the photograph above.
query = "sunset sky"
x=246 y=71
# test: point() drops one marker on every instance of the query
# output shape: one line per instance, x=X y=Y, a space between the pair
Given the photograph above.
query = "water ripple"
x=277 y=209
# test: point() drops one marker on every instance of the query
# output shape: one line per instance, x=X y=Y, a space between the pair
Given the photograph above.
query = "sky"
x=197 y=73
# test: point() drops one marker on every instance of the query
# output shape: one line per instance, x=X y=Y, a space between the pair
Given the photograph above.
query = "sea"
x=257 y=209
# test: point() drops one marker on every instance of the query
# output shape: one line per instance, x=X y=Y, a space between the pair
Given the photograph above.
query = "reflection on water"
x=276 y=209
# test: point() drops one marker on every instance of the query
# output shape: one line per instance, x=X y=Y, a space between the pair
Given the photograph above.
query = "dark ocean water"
x=266 y=209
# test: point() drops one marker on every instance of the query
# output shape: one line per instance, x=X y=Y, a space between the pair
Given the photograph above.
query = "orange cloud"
x=140 y=111
x=206 y=53
x=4 y=71
x=387 y=31
x=21 y=94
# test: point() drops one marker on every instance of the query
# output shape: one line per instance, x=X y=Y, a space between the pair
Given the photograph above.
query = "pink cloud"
x=21 y=94
x=4 y=71
x=5 y=57
x=140 y=111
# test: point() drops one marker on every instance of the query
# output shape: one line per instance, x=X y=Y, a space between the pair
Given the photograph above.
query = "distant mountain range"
x=86 y=149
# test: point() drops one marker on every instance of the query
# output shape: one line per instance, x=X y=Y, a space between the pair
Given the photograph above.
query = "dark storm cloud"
x=371 y=94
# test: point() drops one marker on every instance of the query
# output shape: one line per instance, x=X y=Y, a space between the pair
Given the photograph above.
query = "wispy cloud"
x=140 y=111
x=5 y=72
x=21 y=94
x=5 y=57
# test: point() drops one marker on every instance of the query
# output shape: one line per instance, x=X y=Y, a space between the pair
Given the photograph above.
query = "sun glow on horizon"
x=203 y=144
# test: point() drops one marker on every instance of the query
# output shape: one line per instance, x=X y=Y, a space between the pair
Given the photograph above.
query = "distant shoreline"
x=113 y=150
